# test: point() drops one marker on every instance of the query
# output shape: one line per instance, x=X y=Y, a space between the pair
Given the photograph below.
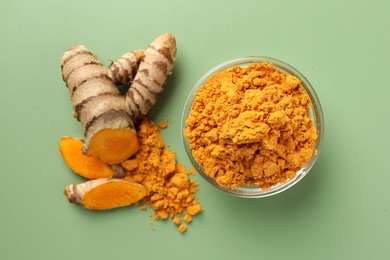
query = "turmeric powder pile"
x=169 y=190
x=251 y=126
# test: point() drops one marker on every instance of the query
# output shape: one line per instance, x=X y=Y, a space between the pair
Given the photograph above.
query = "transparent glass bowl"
x=315 y=112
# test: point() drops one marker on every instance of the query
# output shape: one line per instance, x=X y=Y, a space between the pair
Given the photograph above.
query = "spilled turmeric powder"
x=169 y=190
x=251 y=126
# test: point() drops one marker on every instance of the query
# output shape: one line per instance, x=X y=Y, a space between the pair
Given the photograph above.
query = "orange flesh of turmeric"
x=114 y=145
x=112 y=195
x=89 y=167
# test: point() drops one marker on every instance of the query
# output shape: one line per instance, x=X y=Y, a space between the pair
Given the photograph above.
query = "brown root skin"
x=89 y=167
x=95 y=86
x=154 y=68
x=103 y=194
x=98 y=105
x=123 y=70
x=119 y=171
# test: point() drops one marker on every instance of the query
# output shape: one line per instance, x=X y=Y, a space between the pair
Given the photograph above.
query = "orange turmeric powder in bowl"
x=253 y=126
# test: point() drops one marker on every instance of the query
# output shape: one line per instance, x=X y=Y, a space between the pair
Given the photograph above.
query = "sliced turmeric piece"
x=104 y=193
x=89 y=167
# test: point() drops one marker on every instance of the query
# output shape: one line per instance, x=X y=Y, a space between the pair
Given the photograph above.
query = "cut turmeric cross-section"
x=114 y=145
x=102 y=194
x=89 y=167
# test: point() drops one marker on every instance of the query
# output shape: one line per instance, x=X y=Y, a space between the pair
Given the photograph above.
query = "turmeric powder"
x=169 y=190
x=176 y=221
x=182 y=228
x=251 y=126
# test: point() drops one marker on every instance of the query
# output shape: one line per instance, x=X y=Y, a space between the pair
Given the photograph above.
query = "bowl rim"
x=317 y=116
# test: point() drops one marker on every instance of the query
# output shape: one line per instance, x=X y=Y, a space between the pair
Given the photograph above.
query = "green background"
x=340 y=210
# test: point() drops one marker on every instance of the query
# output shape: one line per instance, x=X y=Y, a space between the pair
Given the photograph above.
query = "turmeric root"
x=154 y=68
x=123 y=70
x=102 y=194
x=108 y=128
x=89 y=167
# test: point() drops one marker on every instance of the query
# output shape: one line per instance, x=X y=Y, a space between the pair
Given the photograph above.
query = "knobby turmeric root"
x=123 y=70
x=102 y=194
x=154 y=68
x=108 y=128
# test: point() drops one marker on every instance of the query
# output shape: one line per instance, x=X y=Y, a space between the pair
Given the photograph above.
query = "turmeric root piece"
x=102 y=194
x=123 y=70
x=90 y=167
x=154 y=68
x=114 y=145
x=99 y=107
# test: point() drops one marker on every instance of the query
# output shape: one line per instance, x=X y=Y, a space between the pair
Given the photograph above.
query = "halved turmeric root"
x=104 y=193
x=90 y=167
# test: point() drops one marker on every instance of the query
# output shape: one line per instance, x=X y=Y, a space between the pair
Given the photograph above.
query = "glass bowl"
x=315 y=113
